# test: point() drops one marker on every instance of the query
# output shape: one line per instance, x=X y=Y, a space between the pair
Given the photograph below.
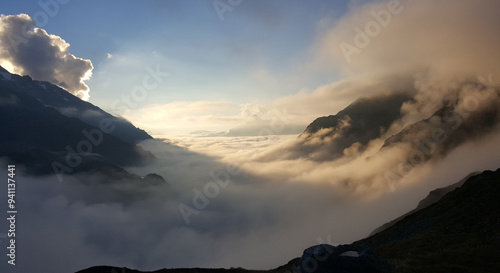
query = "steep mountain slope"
x=433 y=197
x=363 y=120
x=466 y=114
x=53 y=96
x=459 y=233
x=46 y=142
x=366 y=116
x=366 y=119
x=450 y=126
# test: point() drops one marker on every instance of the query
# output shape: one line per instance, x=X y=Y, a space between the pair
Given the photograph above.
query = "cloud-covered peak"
x=26 y=49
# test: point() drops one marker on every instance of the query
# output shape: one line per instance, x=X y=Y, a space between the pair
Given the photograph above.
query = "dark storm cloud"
x=32 y=51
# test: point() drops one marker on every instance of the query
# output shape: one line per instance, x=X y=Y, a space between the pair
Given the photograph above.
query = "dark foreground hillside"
x=109 y=269
x=458 y=233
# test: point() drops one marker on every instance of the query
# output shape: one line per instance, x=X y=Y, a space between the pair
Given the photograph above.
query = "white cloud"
x=26 y=49
x=453 y=37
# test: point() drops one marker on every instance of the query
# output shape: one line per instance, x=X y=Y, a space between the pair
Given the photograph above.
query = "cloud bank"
x=443 y=54
x=253 y=222
x=256 y=221
x=28 y=50
x=455 y=38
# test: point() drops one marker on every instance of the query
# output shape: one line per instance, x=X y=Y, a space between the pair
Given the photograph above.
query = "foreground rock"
x=340 y=259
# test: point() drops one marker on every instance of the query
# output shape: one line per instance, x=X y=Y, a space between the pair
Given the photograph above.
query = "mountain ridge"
x=459 y=232
x=39 y=137
x=433 y=197
x=71 y=106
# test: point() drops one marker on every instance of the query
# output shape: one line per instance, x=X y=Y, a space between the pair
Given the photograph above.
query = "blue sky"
x=260 y=51
x=208 y=57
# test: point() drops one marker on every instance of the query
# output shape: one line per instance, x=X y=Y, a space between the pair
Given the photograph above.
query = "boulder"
x=340 y=259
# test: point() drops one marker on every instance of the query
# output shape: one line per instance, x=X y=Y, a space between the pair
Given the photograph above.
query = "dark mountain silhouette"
x=366 y=116
x=449 y=127
x=459 y=233
x=363 y=120
x=432 y=198
x=38 y=136
x=50 y=95
x=109 y=269
x=458 y=121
